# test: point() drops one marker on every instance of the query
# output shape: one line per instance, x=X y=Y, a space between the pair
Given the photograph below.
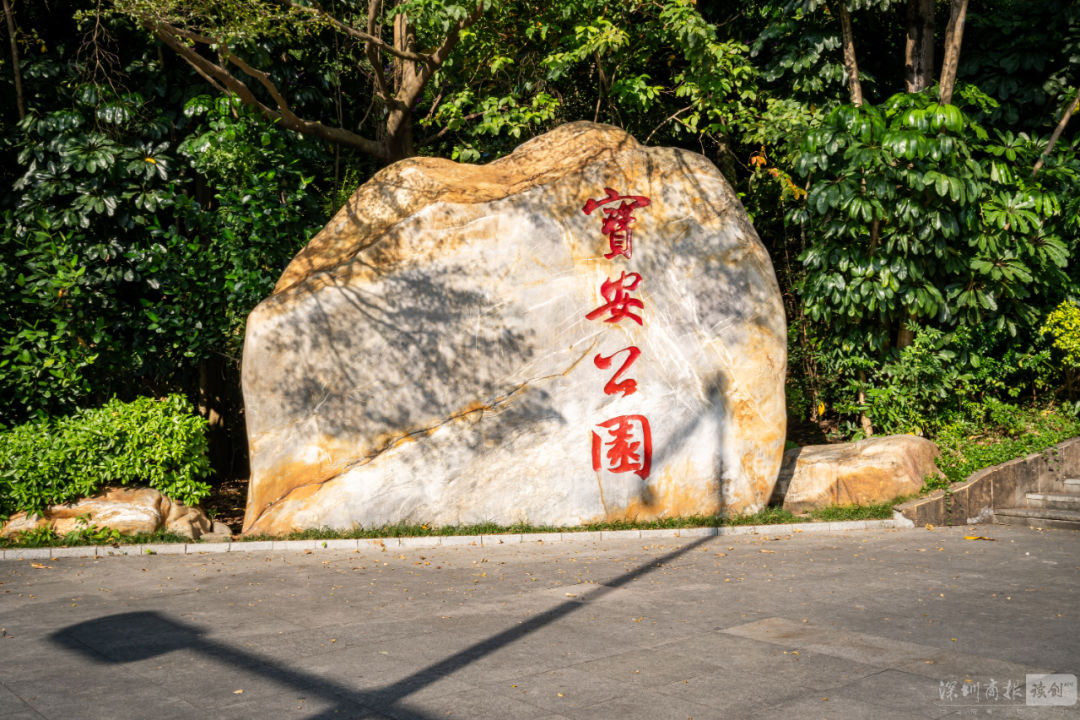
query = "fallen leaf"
x=237 y=692
x=929 y=526
x=977 y=537
x=771 y=552
x=39 y=566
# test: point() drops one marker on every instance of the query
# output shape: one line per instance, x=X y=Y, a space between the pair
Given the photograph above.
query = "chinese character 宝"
x=617 y=220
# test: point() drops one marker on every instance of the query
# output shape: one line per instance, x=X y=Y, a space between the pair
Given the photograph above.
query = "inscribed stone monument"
x=587 y=329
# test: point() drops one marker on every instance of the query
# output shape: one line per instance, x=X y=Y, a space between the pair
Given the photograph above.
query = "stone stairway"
x=1059 y=508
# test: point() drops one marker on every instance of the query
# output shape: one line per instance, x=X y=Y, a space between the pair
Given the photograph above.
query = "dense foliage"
x=166 y=158
x=159 y=443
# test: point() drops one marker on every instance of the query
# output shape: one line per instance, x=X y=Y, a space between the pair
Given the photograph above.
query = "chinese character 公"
x=629 y=446
x=617 y=220
x=626 y=387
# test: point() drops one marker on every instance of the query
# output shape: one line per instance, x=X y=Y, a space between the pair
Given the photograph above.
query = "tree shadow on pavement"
x=135 y=636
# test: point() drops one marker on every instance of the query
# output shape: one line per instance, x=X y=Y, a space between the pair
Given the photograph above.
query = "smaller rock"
x=129 y=511
x=219 y=533
x=869 y=471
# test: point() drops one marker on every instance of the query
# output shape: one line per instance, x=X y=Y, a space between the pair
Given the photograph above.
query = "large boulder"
x=514 y=342
x=874 y=470
x=129 y=511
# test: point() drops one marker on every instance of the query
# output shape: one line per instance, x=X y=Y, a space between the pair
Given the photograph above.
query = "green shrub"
x=1064 y=324
x=994 y=432
x=160 y=443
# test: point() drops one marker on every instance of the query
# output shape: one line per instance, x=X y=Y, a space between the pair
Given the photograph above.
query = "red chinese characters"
x=617 y=220
x=621 y=444
x=619 y=303
x=629 y=446
x=626 y=387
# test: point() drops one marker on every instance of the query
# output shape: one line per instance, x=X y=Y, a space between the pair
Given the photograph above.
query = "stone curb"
x=432 y=541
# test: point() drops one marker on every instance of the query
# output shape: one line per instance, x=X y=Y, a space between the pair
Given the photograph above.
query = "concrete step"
x=1072 y=484
x=1038 y=517
x=1053 y=500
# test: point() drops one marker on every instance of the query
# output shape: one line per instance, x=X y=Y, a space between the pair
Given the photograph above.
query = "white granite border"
x=431 y=541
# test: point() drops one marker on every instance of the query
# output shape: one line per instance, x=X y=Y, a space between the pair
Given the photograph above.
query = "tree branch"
x=19 y=105
x=665 y=121
x=1073 y=107
x=373 y=56
x=852 y=67
x=410 y=92
x=954 y=34
x=284 y=116
x=435 y=136
x=366 y=37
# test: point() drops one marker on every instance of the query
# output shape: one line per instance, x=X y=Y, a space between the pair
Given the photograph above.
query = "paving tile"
x=946 y=665
x=729 y=693
x=542 y=537
x=557 y=690
x=833 y=708
x=425 y=541
x=460 y=540
x=620 y=534
x=253 y=546
x=585 y=536
x=165 y=549
x=698 y=532
x=293 y=545
x=736 y=530
x=858 y=647
x=648 y=667
x=210 y=547
x=505 y=539
x=647 y=706
x=472 y=704
x=896 y=689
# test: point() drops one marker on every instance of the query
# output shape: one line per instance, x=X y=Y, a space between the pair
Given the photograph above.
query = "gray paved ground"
x=875 y=624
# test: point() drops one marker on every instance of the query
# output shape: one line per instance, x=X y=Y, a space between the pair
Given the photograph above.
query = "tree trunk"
x=211 y=406
x=1073 y=107
x=905 y=335
x=850 y=66
x=864 y=419
x=16 y=70
x=919 y=47
x=953 y=37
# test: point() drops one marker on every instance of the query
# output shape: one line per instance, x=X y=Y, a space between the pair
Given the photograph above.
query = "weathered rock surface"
x=428 y=356
x=129 y=511
x=869 y=471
